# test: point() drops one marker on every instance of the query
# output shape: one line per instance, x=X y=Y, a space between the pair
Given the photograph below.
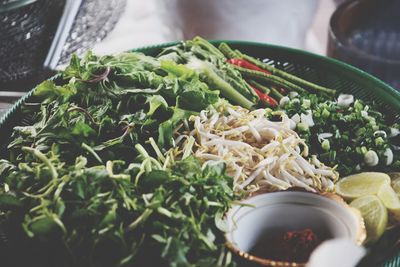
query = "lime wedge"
x=390 y=200
x=394 y=175
x=361 y=184
x=375 y=216
x=396 y=186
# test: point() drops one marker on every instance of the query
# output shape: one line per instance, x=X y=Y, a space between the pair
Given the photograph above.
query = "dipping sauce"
x=283 y=228
x=291 y=246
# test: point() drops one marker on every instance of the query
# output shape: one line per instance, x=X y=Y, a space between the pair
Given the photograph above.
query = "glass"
x=8 y=5
x=366 y=33
x=26 y=27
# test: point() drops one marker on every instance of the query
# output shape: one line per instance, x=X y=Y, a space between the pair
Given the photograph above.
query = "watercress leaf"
x=5 y=166
x=74 y=68
x=165 y=130
x=154 y=179
x=155 y=102
x=49 y=91
x=9 y=202
x=189 y=167
x=174 y=253
x=45 y=228
x=82 y=129
x=195 y=100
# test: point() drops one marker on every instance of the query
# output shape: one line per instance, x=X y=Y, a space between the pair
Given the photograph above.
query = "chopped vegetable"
x=265 y=98
x=351 y=131
x=371 y=158
x=245 y=64
x=345 y=100
x=289 y=77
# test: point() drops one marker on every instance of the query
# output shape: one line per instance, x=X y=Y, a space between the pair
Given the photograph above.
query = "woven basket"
x=322 y=70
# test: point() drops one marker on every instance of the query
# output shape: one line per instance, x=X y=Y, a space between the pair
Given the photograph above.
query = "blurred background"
x=295 y=23
x=38 y=37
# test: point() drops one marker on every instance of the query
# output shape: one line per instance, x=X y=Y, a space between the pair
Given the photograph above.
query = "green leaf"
x=165 y=130
x=159 y=238
x=110 y=218
x=9 y=202
x=74 y=69
x=217 y=168
x=45 y=228
x=196 y=100
x=155 y=102
x=154 y=179
x=175 y=253
x=82 y=129
x=49 y=91
x=5 y=166
x=189 y=167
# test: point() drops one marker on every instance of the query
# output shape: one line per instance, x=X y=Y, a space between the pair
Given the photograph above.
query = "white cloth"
x=336 y=252
x=278 y=22
x=287 y=22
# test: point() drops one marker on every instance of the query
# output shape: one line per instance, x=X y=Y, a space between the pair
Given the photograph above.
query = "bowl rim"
x=339 y=38
x=360 y=235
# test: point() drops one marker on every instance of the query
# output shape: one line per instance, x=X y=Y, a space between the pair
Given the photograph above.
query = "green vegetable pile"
x=99 y=216
x=89 y=178
x=87 y=184
x=353 y=138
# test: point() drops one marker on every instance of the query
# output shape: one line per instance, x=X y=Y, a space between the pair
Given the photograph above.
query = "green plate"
x=322 y=70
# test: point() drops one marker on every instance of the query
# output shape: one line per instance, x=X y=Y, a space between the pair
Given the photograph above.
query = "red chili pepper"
x=265 y=98
x=247 y=65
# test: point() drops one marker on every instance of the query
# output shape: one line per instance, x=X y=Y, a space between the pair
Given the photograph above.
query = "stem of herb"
x=140 y=219
x=42 y=157
x=208 y=46
x=263 y=88
x=270 y=78
x=227 y=51
x=87 y=114
x=160 y=156
x=275 y=93
x=227 y=90
x=92 y=152
x=142 y=151
x=288 y=76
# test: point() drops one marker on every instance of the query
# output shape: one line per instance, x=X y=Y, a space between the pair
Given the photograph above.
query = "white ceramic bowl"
x=327 y=215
